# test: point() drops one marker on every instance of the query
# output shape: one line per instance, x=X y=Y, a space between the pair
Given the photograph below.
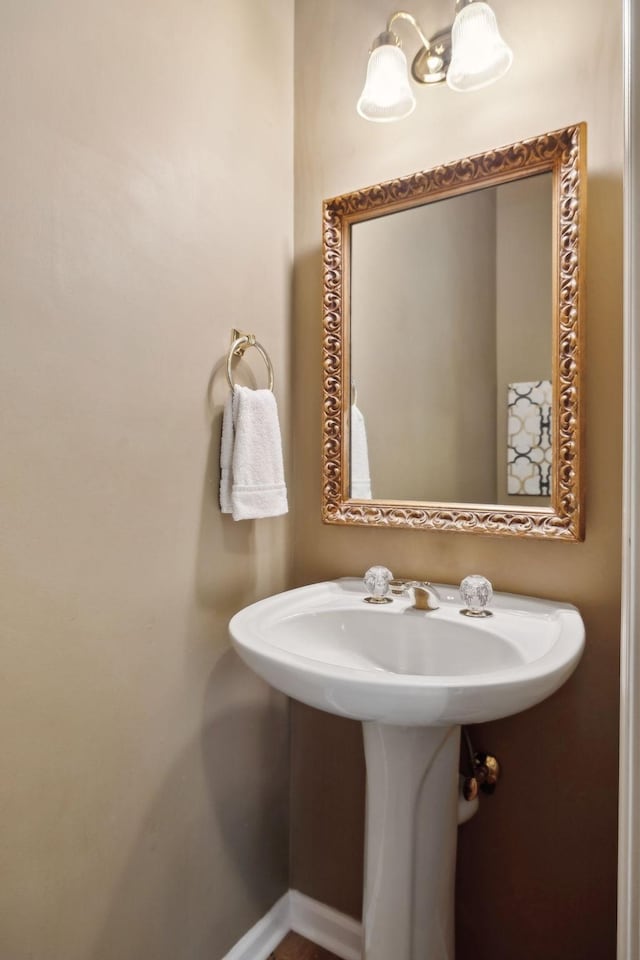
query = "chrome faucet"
x=425 y=595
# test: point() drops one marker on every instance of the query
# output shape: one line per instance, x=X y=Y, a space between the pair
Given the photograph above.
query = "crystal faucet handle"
x=376 y=581
x=476 y=593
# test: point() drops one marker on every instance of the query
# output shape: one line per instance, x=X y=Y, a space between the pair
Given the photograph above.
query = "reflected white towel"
x=257 y=473
x=360 y=475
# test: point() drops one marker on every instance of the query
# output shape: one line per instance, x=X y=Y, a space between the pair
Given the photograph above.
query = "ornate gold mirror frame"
x=562 y=153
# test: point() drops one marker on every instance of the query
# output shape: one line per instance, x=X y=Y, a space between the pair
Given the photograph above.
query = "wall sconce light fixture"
x=469 y=55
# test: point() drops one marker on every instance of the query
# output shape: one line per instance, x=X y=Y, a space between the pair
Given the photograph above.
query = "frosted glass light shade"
x=387 y=95
x=479 y=54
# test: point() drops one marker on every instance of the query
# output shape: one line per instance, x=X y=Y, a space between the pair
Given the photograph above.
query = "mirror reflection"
x=451 y=349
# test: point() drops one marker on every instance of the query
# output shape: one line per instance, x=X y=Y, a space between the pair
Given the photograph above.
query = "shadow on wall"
x=211 y=850
x=209 y=857
x=236 y=562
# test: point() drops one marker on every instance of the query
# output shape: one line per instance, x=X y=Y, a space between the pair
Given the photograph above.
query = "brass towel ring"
x=240 y=343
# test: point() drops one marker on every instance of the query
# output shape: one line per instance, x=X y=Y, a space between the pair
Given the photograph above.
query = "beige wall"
x=146 y=208
x=537 y=866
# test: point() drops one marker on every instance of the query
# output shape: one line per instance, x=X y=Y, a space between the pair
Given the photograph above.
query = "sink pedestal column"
x=411 y=835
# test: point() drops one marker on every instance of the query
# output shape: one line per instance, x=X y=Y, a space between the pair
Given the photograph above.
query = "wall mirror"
x=453 y=316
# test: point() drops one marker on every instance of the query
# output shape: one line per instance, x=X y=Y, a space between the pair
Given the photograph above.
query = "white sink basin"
x=412 y=678
x=393 y=664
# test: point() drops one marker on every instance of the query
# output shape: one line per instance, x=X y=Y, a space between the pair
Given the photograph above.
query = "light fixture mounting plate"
x=423 y=68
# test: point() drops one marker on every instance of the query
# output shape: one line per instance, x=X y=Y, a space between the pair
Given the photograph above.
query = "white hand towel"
x=258 y=488
x=360 y=475
x=226 y=454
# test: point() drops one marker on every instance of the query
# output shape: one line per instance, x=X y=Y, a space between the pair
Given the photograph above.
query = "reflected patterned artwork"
x=529 y=446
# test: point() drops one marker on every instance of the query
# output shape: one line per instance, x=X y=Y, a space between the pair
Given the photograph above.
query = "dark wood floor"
x=295 y=947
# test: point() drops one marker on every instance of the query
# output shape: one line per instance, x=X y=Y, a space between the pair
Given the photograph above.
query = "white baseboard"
x=265 y=935
x=322 y=925
x=326 y=927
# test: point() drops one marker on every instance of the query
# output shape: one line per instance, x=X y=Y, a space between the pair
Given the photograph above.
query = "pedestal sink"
x=412 y=678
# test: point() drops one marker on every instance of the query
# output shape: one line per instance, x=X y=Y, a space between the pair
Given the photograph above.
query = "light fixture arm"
x=403 y=15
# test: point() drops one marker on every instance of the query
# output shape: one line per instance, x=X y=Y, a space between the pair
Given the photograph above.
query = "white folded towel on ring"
x=252 y=481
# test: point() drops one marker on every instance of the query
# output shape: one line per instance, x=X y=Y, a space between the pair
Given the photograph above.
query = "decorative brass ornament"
x=470 y=788
x=561 y=153
x=485 y=770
